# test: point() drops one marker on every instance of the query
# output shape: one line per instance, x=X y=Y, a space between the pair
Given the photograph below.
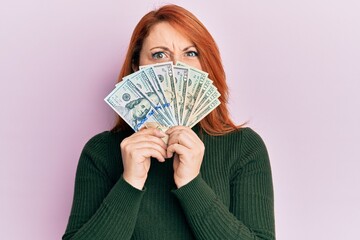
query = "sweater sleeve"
x=101 y=209
x=251 y=213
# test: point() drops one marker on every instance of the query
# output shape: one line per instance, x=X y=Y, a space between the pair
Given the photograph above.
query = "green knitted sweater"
x=232 y=197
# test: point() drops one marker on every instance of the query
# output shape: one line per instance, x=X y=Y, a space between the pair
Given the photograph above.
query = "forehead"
x=164 y=34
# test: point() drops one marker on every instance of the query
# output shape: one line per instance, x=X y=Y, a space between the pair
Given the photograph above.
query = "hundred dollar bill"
x=204 y=112
x=164 y=72
x=131 y=105
x=143 y=84
x=206 y=86
x=181 y=78
x=207 y=99
x=149 y=71
x=196 y=80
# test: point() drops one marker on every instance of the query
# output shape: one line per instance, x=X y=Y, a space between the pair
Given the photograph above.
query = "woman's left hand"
x=189 y=153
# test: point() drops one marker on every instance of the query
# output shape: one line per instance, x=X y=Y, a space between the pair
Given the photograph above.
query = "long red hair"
x=217 y=122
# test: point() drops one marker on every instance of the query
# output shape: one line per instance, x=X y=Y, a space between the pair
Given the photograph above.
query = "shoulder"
x=105 y=139
x=237 y=146
x=242 y=138
x=105 y=144
x=96 y=149
x=250 y=139
x=249 y=149
x=102 y=152
x=98 y=140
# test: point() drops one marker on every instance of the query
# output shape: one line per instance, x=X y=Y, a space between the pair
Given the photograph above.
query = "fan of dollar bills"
x=164 y=95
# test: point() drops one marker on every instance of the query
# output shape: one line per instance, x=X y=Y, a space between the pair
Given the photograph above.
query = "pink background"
x=293 y=68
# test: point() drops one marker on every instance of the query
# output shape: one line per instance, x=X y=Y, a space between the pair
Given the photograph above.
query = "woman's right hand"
x=136 y=151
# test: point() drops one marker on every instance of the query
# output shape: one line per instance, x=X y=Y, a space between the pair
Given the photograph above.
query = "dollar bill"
x=203 y=113
x=208 y=97
x=149 y=71
x=207 y=84
x=181 y=78
x=131 y=105
x=165 y=74
x=196 y=80
x=144 y=86
x=163 y=95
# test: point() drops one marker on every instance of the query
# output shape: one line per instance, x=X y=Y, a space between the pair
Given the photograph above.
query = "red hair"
x=217 y=122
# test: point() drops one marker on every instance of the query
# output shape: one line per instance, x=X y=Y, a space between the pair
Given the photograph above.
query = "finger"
x=148 y=152
x=176 y=128
x=148 y=138
x=176 y=148
x=182 y=138
x=184 y=129
x=151 y=131
x=140 y=147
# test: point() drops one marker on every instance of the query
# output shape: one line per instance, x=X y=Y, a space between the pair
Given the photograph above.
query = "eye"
x=191 y=54
x=158 y=55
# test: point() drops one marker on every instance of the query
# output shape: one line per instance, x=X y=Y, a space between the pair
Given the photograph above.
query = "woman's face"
x=165 y=43
x=141 y=109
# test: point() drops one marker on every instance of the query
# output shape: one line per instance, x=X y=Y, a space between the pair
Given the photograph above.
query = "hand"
x=189 y=153
x=136 y=151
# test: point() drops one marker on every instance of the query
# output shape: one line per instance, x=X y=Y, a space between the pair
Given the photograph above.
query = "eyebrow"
x=167 y=49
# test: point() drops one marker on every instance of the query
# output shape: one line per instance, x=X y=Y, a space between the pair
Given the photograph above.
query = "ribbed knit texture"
x=232 y=197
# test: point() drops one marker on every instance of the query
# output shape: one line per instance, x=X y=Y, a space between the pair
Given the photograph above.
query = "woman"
x=210 y=182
